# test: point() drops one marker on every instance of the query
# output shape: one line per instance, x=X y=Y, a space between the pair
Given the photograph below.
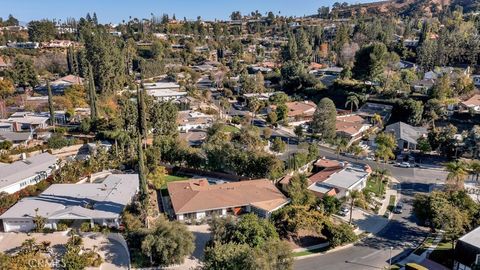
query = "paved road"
x=401 y=234
x=409 y=175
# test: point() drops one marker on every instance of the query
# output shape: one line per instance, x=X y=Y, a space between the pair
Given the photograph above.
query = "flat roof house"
x=188 y=120
x=467 y=251
x=196 y=199
x=23 y=173
x=339 y=182
x=100 y=203
x=164 y=91
x=26 y=121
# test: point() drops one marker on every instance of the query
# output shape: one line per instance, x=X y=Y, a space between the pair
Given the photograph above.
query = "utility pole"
x=390 y=259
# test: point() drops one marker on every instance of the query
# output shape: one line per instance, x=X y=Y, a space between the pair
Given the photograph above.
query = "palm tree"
x=342 y=146
x=352 y=100
x=354 y=196
x=457 y=173
x=254 y=106
x=377 y=120
x=381 y=174
x=357 y=150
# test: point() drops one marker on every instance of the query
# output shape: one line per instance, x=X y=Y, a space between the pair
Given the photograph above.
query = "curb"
x=325 y=252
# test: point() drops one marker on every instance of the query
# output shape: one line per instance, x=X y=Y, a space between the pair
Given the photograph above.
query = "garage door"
x=18 y=226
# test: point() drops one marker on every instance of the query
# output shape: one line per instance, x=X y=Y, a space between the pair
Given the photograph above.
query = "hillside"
x=426 y=8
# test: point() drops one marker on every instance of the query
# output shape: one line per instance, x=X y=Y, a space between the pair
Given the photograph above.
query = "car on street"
x=344 y=211
x=404 y=165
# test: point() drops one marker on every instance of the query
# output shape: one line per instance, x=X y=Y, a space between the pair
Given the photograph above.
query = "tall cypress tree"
x=92 y=95
x=142 y=175
x=70 y=64
x=50 y=105
x=142 y=116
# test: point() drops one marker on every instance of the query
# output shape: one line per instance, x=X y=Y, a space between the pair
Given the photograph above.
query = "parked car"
x=344 y=211
x=404 y=165
x=398 y=208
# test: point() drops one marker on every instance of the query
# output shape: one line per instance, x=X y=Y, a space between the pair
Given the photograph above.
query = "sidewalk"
x=389 y=192
x=422 y=258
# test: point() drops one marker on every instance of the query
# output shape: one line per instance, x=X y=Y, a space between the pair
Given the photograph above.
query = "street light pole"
x=390 y=259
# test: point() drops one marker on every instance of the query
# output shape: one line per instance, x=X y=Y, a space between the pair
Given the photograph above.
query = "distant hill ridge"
x=408 y=7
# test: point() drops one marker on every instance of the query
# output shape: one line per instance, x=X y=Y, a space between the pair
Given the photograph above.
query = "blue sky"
x=116 y=10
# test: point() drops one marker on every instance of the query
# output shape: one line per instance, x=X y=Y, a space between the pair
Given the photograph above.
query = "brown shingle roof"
x=473 y=101
x=191 y=196
x=296 y=108
x=323 y=175
x=326 y=163
x=349 y=124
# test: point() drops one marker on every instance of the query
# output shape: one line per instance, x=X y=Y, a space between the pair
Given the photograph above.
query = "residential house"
x=188 y=120
x=472 y=103
x=67 y=81
x=299 y=111
x=334 y=178
x=423 y=86
x=96 y=203
x=26 y=121
x=58 y=44
x=334 y=71
x=467 y=251
x=205 y=82
x=351 y=127
x=23 y=45
x=59 y=85
x=196 y=199
x=406 y=135
x=164 y=91
x=23 y=173
x=16 y=138
x=369 y=109
x=339 y=180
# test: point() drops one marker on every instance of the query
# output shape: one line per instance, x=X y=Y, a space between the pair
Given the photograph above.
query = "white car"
x=344 y=211
x=404 y=165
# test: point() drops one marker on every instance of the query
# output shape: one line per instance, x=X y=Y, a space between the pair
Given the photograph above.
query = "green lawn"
x=443 y=254
x=309 y=252
x=171 y=178
x=425 y=245
x=376 y=187
x=391 y=203
x=228 y=128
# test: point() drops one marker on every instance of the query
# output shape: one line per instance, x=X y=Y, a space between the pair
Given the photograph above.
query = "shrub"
x=62 y=227
x=85 y=227
x=339 y=235
x=47 y=230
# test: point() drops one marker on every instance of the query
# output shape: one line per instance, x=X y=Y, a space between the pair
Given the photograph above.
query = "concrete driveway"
x=202 y=236
x=114 y=254
x=365 y=221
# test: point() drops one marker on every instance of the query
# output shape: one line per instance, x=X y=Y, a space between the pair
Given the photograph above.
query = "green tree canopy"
x=324 y=119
